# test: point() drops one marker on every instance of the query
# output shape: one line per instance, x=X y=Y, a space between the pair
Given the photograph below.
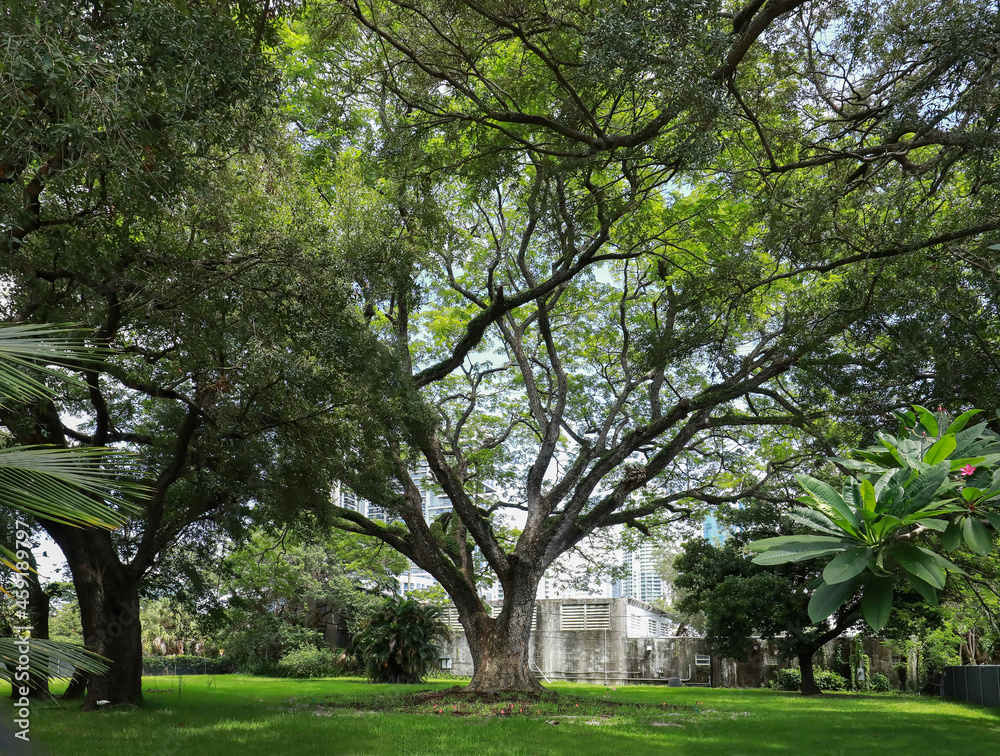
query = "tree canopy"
x=588 y=254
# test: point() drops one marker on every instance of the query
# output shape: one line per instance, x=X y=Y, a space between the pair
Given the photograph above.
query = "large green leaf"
x=977 y=536
x=927 y=420
x=832 y=503
x=846 y=565
x=968 y=441
x=815 y=521
x=827 y=599
x=38 y=348
x=994 y=519
x=925 y=487
x=876 y=602
x=882 y=485
x=869 y=498
x=68 y=485
x=920 y=563
x=940 y=450
x=925 y=589
x=961 y=421
x=783 y=549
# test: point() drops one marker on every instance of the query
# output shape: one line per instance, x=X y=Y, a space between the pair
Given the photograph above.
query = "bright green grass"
x=246 y=716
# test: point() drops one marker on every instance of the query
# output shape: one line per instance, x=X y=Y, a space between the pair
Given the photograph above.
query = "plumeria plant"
x=933 y=488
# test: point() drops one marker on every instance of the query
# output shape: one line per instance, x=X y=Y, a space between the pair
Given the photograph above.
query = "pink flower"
x=967 y=470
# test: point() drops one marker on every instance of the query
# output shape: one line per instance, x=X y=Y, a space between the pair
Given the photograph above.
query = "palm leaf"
x=68 y=485
x=41 y=349
x=47 y=658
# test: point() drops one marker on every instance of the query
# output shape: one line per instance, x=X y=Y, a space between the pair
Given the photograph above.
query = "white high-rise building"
x=643 y=580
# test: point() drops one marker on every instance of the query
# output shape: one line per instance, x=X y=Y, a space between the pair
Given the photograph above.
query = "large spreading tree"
x=622 y=238
x=147 y=192
x=592 y=249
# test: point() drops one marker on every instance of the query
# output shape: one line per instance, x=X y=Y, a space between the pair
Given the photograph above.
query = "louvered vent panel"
x=573 y=617
x=598 y=616
x=652 y=628
x=451 y=618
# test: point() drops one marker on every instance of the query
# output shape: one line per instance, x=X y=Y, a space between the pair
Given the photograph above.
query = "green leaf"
x=823 y=494
x=952 y=537
x=927 y=420
x=925 y=589
x=994 y=519
x=920 y=562
x=925 y=487
x=960 y=422
x=968 y=440
x=876 y=602
x=977 y=536
x=785 y=549
x=827 y=599
x=815 y=521
x=846 y=565
x=940 y=450
x=882 y=484
x=971 y=492
x=868 y=496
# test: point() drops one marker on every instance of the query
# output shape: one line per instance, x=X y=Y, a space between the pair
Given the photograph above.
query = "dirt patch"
x=462 y=702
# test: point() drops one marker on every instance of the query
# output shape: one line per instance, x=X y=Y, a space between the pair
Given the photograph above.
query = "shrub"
x=826 y=680
x=308 y=661
x=787 y=679
x=880 y=683
x=256 y=642
x=397 y=643
x=791 y=679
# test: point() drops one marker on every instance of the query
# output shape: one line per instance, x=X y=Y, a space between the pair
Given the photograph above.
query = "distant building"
x=711 y=531
x=643 y=581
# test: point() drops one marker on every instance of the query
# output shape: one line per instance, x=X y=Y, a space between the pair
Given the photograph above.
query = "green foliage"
x=170 y=628
x=255 y=641
x=880 y=683
x=934 y=484
x=742 y=600
x=397 y=643
x=790 y=678
x=309 y=661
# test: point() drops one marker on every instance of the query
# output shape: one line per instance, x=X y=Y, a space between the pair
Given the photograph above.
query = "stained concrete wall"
x=610 y=657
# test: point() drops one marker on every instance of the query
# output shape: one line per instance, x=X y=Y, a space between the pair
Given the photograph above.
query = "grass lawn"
x=245 y=716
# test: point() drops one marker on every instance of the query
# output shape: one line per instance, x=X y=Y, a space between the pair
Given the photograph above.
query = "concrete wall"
x=610 y=657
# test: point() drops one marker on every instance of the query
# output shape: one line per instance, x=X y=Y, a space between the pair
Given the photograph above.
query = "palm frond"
x=42 y=349
x=69 y=485
x=47 y=658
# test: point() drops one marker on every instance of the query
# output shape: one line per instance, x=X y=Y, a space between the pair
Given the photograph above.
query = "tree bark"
x=499 y=645
x=108 y=593
x=809 y=686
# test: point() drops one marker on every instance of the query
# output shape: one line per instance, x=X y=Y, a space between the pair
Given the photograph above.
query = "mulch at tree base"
x=462 y=702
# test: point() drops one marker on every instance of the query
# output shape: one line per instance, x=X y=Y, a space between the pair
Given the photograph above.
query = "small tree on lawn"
x=397 y=644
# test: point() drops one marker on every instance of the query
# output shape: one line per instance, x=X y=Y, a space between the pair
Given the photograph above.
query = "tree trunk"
x=809 y=686
x=108 y=593
x=499 y=644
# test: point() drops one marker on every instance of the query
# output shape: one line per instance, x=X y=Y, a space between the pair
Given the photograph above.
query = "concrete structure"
x=623 y=640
